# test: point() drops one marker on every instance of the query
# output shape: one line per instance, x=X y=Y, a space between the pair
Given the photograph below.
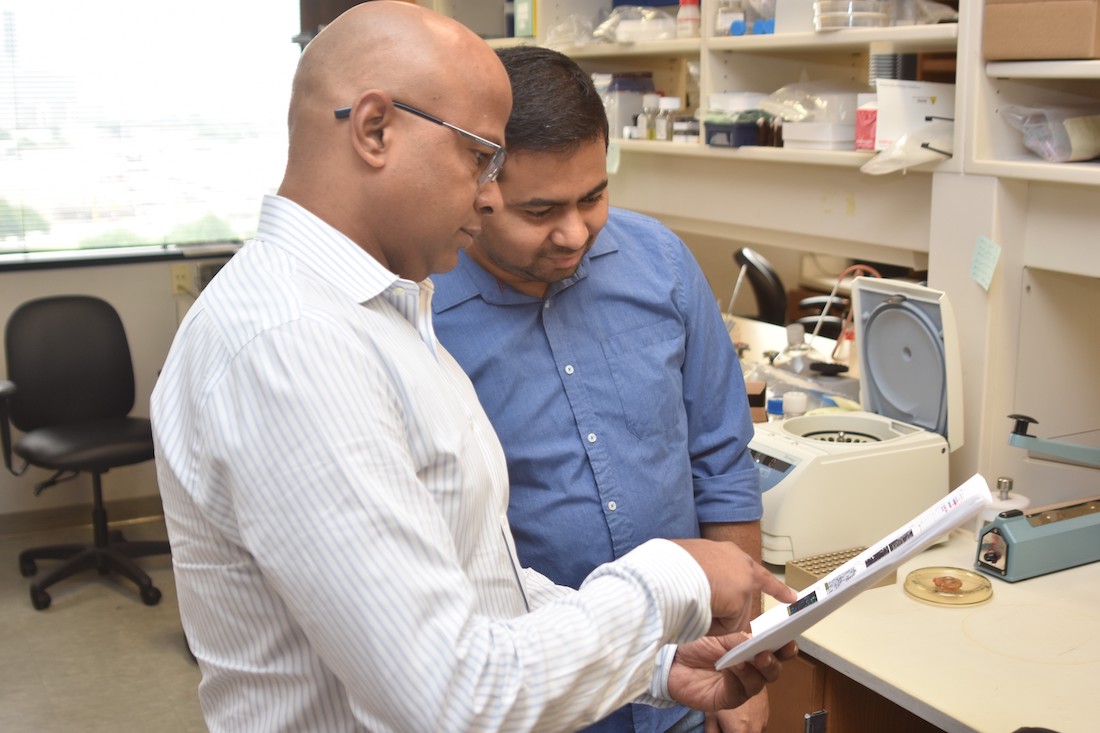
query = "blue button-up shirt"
x=618 y=399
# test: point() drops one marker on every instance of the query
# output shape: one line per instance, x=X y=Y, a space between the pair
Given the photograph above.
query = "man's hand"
x=693 y=681
x=752 y=717
x=735 y=582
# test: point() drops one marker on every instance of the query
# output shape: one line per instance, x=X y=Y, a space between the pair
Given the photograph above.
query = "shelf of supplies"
x=836 y=158
x=671 y=47
x=510 y=42
x=896 y=39
x=1043 y=69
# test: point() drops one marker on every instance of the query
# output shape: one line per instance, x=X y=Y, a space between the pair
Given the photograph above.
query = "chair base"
x=115 y=554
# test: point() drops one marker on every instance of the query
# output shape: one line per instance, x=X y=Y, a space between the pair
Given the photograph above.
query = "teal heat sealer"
x=1083 y=455
x=1017 y=546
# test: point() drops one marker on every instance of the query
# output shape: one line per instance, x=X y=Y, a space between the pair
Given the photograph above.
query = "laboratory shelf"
x=1031 y=168
x=1043 y=69
x=839 y=158
x=896 y=39
x=796 y=156
x=671 y=47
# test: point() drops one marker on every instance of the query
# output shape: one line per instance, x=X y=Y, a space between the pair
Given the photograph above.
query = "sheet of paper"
x=781 y=624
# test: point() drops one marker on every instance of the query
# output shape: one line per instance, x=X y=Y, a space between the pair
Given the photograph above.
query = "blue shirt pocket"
x=645 y=364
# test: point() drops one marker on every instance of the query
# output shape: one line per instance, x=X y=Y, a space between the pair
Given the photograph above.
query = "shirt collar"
x=322 y=249
x=332 y=257
x=470 y=280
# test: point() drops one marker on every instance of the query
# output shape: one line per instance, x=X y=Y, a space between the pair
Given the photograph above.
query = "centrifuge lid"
x=908 y=355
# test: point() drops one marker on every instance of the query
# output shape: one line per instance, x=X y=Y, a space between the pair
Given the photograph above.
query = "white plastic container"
x=1003 y=500
x=837 y=14
x=819 y=136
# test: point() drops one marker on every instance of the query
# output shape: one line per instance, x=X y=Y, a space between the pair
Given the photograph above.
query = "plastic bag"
x=922 y=12
x=576 y=30
x=638 y=17
x=1057 y=134
x=932 y=142
x=814 y=101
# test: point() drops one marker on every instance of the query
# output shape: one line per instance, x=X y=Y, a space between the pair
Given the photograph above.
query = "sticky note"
x=984 y=262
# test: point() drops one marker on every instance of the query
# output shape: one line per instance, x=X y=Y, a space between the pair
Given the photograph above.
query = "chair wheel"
x=27 y=567
x=40 y=599
x=150 y=596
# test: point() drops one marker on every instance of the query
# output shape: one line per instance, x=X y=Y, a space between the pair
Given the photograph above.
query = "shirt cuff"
x=677 y=586
x=658 y=696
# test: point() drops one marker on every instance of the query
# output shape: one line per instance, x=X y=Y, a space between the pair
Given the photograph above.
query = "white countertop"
x=1029 y=656
x=762 y=336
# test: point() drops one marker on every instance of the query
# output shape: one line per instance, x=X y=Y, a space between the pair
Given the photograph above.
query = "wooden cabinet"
x=807 y=686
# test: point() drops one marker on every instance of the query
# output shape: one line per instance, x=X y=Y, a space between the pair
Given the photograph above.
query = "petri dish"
x=947 y=586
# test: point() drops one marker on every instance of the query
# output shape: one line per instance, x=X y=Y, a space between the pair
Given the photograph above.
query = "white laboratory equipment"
x=837 y=481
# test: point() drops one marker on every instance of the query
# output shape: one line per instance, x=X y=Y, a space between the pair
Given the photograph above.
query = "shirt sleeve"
x=719 y=422
x=354 y=552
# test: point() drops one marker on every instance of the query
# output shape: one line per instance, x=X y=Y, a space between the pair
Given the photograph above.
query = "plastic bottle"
x=647 y=120
x=729 y=19
x=797 y=355
x=794 y=404
x=662 y=126
x=687 y=19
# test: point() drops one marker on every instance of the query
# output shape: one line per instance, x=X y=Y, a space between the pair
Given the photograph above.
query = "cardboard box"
x=755 y=391
x=1041 y=29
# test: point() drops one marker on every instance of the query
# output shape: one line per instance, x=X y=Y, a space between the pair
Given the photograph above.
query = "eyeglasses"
x=495 y=159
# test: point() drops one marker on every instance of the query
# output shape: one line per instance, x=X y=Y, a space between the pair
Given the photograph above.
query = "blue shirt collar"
x=469 y=280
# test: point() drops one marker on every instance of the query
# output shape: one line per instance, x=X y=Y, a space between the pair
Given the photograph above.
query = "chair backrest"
x=771 y=296
x=831 y=327
x=70 y=361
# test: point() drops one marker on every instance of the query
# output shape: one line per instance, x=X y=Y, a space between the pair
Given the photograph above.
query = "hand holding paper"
x=693 y=680
x=736 y=580
x=781 y=624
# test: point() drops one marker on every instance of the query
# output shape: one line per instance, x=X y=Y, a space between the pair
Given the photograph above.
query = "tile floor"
x=98 y=659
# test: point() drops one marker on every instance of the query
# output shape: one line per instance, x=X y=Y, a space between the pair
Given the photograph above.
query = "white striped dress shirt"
x=336 y=502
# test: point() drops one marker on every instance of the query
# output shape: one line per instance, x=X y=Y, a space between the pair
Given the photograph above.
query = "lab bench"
x=1029 y=656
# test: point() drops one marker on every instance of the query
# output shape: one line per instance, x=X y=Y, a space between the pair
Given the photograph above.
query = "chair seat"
x=94 y=445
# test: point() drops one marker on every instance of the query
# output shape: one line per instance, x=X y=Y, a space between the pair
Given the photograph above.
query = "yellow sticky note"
x=984 y=261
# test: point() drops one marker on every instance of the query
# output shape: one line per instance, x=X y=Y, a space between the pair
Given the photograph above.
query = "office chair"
x=70 y=392
x=771 y=296
x=824 y=313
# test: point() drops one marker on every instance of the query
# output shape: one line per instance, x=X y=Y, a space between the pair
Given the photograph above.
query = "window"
x=128 y=122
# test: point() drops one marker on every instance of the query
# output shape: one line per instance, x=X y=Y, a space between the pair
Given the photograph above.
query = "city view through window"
x=127 y=123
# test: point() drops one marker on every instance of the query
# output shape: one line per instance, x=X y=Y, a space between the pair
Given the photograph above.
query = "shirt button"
x=612 y=506
x=546 y=304
x=591 y=437
x=568 y=368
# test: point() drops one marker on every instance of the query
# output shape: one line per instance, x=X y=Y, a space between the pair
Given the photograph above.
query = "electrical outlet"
x=182 y=282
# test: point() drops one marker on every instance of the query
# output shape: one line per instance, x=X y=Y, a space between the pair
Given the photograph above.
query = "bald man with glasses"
x=336 y=497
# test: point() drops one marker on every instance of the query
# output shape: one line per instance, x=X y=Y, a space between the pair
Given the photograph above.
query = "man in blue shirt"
x=600 y=356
